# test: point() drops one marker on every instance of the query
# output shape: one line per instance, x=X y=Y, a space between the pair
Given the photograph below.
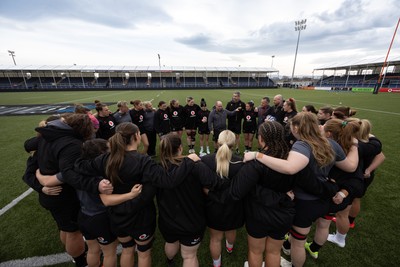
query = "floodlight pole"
x=12 y=54
x=272 y=60
x=299 y=26
x=159 y=66
x=378 y=85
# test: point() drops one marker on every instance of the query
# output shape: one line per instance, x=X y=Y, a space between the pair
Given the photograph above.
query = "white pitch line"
x=90 y=98
x=43 y=260
x=15 y=201
x=38 y=261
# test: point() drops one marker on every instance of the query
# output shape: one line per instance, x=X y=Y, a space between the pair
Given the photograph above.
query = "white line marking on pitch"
x=15 y=201
x=43 y=260
x=38 y=261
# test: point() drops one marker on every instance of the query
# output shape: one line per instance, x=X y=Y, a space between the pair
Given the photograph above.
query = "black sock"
x=286 y=244
x=351 y=219
x=80 y=261
x=314 y=246
x=170 y=262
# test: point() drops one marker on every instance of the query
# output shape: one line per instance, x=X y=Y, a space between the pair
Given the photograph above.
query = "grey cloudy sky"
x=197 y=33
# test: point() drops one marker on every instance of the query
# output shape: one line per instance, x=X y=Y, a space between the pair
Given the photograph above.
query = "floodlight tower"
x=159 y=66
x=12 y=54
x=272 y=60
x=299 y=26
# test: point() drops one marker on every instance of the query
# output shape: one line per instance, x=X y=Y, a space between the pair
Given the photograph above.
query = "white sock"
x=341 y=238
x=217 y=263
x=228 y=245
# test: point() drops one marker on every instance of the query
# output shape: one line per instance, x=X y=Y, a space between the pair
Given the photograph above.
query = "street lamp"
x=299 y=26
x=272 y=61
x=12 y=54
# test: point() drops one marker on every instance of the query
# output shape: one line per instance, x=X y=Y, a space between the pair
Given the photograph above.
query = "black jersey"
x=250 y=121
x=191 y=116
x=182 y=206
x=136 y=169
x=57 y=148
x=106 y=127
x=137 y=117
x=202 y=121
x=264 y=193
x=228 y=216
x=236 y=118
x=354 y=182
x=289 y=137
x=263 y=113
x=177 y=119
x=279 y=113
x=162 y=122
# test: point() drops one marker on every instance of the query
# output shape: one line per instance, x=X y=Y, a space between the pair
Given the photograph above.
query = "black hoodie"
x=57 y=148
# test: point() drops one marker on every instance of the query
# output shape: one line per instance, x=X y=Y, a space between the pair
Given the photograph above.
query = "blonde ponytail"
x=226 y=141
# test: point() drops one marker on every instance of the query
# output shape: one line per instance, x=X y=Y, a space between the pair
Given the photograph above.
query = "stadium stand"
x=74 y=77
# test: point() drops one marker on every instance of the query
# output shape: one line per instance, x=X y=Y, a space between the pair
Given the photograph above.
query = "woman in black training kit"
x=269 y=210
x=182 y=219
x=57 y=147
x=224 y=219
x=134 y=220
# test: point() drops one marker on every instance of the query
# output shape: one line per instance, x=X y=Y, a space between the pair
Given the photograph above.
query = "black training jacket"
x=182 y=207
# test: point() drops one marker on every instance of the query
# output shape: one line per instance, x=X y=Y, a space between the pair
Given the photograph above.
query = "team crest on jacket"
x=175 y=113
x=111 y=123
x=165 y=116
x=192 y=113
x=248 y=118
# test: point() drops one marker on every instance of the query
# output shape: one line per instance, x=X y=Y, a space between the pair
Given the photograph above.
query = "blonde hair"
x=226 y=141
x=365 y=130
x=308 y=130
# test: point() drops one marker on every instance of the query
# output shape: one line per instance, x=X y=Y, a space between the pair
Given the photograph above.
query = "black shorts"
x=141 y=229
x=367 y=183
x=97 y=227
x=308 y=211
x=202 y=131
x=142 y=130
x=176 y=129
x=235 y=127
x=249 y=130
x=333 y=208
x=66 y=217
x=216 y=135
x=189 y=240
x=258 y=229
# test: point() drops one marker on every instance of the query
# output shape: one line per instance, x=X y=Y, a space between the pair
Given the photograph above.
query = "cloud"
x=111 y=13
x=201 y=33
x=350 y=26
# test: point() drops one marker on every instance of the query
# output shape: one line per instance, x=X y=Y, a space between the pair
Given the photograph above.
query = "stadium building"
x=131 y=77
x=363 y=76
